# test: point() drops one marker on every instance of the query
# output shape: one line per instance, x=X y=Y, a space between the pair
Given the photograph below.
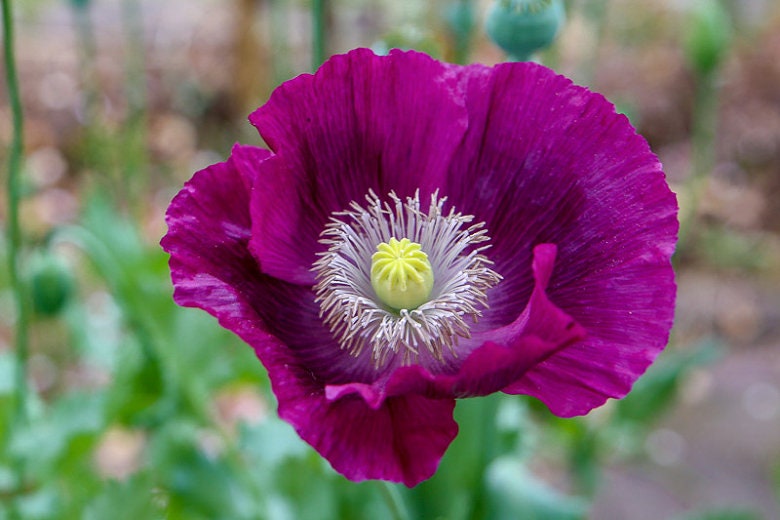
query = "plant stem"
x=14 y=231
x=133 y=154
x=394 y=501
x=702 y=151
x=319 y=22
x=280 y=43
x=597 y=11
x=87 y=57
x=487 y=441
x=14 y=228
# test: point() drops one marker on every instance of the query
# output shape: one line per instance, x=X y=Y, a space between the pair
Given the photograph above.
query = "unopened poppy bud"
x=401 y=274
x=522 y=27
x=51 y=284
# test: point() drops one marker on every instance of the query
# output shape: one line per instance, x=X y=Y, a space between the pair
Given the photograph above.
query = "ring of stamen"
x=349 y=305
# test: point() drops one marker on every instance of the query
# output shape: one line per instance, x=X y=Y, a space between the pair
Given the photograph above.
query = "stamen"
x=349 y=304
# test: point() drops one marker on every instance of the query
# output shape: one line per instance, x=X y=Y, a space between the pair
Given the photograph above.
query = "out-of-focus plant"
x=460 y=19
x=707 y=43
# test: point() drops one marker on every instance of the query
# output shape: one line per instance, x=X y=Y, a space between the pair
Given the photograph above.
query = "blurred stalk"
x=487 y=441
x=133 y=154
x=87 y=58
x=703 y=124
x=394 y=501
x=14 y=231
x=280 y=44
x=14 y=227
x=708 y=41
x=319 y=12
x=596 y=11
x=460 y=18
x=250 y=61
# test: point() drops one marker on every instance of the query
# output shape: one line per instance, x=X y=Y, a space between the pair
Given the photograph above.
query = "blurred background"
x=136 y=408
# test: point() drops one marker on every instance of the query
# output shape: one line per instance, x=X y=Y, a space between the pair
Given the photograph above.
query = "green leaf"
x=199 y=485
x=655 y=391
x=513 y=492
x=43 y=504
x=272 y=442
x=130 y=500
x=46 y=439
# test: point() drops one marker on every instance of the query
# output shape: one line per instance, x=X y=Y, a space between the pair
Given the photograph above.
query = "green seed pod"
x=522 y=27
x=51 y=284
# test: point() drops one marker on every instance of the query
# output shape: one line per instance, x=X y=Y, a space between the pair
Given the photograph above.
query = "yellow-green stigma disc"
x=401 y=274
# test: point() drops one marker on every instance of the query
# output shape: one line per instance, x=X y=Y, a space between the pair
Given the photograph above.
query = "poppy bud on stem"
x=522 y=27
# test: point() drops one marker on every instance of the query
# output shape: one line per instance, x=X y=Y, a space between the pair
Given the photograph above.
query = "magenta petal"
x=208 y=229
x=361 y=122
x=546 y=161
x=279 y=218
x=402 y=439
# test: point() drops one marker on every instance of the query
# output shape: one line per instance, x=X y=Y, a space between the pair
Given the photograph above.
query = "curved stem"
x=15 y=237
x=319 y=22
x=14 y=228
x=394 y=501
x=705 y=114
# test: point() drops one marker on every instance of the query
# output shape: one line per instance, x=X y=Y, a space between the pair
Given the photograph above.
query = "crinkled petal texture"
x=582 y=222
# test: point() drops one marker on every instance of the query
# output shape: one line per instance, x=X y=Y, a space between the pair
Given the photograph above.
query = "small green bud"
x=522 y=27
x=401 y=274
x=51 y=284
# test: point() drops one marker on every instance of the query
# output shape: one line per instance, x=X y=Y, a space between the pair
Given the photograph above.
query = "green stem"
x=14 y=228
x=319 y=22
x=15 y=236
x=280 y=44
x=488 y=450
x=519 y=57
x=394 y=501
x=87 y=57
x=133 y=154
x=702 y=150
x=597 y=12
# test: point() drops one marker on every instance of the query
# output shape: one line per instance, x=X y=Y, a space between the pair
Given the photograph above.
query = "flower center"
x=411 y=297
x=401 y=274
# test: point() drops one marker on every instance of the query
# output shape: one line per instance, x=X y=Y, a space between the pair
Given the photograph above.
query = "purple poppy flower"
x=421 y=232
